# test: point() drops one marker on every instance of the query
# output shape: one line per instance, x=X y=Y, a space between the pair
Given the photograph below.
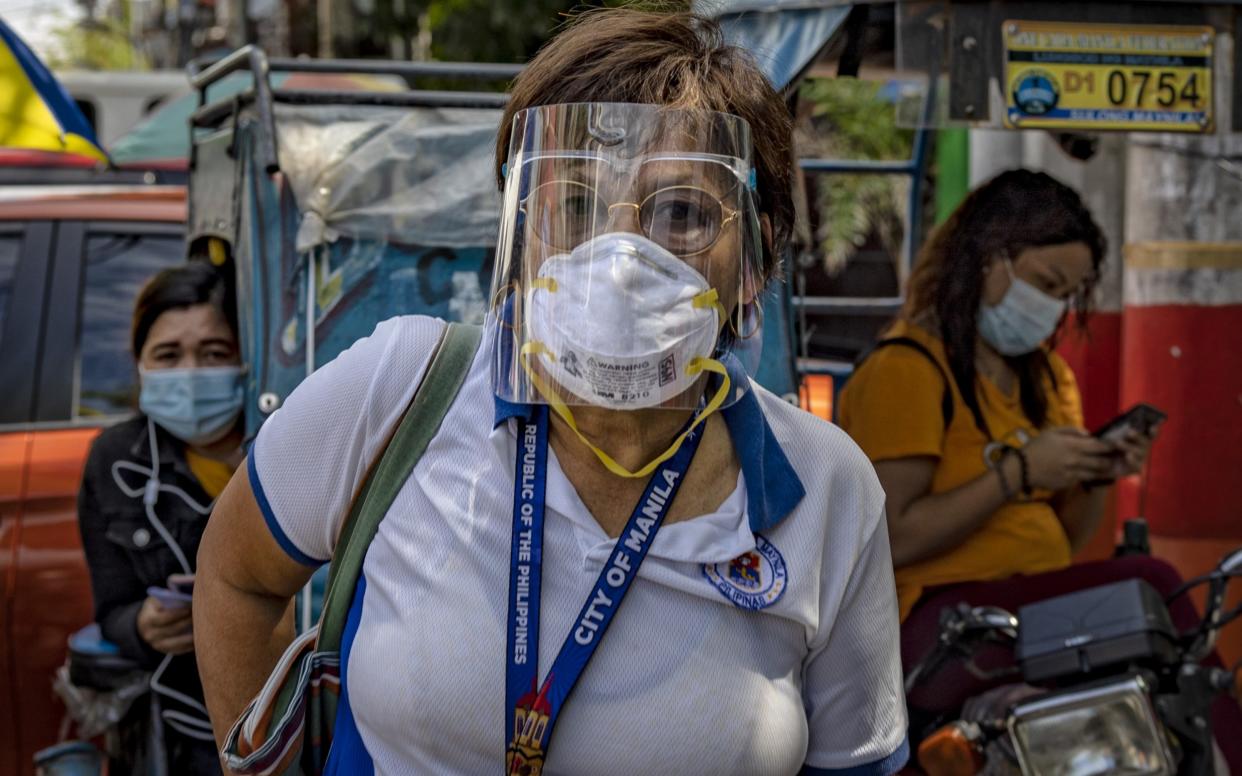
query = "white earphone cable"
x=193 y=726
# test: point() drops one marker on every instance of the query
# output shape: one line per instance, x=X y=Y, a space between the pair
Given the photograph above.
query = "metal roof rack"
x=263 y=97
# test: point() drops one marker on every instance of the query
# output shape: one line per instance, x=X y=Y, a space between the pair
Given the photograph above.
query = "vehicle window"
x=10 y=249
x=88 y=110
x=117 y=266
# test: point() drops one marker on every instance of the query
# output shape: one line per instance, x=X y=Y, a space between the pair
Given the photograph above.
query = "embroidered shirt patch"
x=754 y=580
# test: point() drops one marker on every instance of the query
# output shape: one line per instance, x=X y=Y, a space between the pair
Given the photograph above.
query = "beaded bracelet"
x=999 y=467
x=1026 y=474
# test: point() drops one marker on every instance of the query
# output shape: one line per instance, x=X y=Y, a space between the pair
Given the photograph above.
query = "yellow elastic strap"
x=216 y=251
x=697 y=364
x=710 y=298
x=548 y=284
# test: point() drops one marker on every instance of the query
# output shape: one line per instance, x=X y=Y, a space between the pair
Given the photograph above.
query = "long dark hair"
x=1016 y=210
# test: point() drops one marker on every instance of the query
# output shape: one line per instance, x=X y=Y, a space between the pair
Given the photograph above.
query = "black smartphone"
x=1142 y=418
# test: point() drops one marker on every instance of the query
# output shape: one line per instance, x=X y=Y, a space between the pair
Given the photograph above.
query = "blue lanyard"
x=531 y=710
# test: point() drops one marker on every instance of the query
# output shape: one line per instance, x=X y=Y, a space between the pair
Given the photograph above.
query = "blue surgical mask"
x=1023 y=319
x=198 y=405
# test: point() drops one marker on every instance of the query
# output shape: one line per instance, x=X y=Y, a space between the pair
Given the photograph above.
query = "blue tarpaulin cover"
x=783 y=35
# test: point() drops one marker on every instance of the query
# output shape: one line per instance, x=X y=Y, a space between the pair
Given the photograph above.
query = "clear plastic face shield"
x=629 y=252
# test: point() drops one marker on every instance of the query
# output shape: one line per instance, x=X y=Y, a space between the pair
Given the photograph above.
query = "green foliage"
x=97 y=44
x=484 y=30
x=491 y=31
x=509 y=30
x=849 y=120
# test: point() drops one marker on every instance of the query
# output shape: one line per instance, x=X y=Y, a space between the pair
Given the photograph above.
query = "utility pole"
x=324 y=14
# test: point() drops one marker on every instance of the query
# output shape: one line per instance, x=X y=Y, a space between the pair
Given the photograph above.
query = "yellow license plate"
x=1103 y=76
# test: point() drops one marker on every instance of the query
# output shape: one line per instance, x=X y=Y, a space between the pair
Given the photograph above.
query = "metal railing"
x=262 y=96
x=912 y=167
x=885 y=306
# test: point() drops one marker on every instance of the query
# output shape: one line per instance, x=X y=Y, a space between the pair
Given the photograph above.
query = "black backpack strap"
x=946 y=398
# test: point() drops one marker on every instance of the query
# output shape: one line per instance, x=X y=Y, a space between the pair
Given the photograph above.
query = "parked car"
x=73 y=255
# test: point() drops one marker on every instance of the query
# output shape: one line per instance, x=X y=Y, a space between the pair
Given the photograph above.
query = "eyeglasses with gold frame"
x=686 y=220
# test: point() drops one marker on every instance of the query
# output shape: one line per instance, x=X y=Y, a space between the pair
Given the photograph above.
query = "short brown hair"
x=674 y=59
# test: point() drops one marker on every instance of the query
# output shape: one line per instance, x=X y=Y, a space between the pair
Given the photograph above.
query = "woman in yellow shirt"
x=974 y=426
x=973 y=423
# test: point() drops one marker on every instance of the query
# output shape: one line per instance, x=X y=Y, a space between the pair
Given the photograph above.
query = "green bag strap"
x=422 y=420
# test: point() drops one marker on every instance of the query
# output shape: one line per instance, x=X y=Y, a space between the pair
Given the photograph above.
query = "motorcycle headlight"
x=1108 y=728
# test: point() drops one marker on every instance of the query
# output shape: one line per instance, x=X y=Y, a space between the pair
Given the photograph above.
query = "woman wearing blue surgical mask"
x=149 y=485
x=975 y=424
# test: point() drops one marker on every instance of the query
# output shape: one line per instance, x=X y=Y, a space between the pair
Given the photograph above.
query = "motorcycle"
x=1108 y=685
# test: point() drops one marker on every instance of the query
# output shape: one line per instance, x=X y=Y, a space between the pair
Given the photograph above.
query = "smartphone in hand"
x=1142 y=418
x=169 y=599
x=181 y=583
x=178 y=593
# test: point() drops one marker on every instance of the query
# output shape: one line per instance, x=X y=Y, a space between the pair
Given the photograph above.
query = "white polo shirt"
x=767 y=630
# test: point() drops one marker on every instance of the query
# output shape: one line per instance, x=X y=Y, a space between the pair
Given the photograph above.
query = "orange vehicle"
x=73 y=254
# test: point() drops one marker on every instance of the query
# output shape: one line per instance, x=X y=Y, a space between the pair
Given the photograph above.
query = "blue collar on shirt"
x=773 y=488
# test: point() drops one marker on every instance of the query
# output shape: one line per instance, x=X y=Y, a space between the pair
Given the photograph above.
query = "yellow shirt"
x=891 y=407
x=213 y=475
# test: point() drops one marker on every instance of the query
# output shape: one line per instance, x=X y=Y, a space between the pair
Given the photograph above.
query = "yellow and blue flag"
x=36 y=113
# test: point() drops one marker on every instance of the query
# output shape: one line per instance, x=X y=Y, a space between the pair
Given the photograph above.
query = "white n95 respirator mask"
x=622 y=323
x=629 y=238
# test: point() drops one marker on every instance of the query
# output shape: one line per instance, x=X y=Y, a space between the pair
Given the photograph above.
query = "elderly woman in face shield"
x=615 y=532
